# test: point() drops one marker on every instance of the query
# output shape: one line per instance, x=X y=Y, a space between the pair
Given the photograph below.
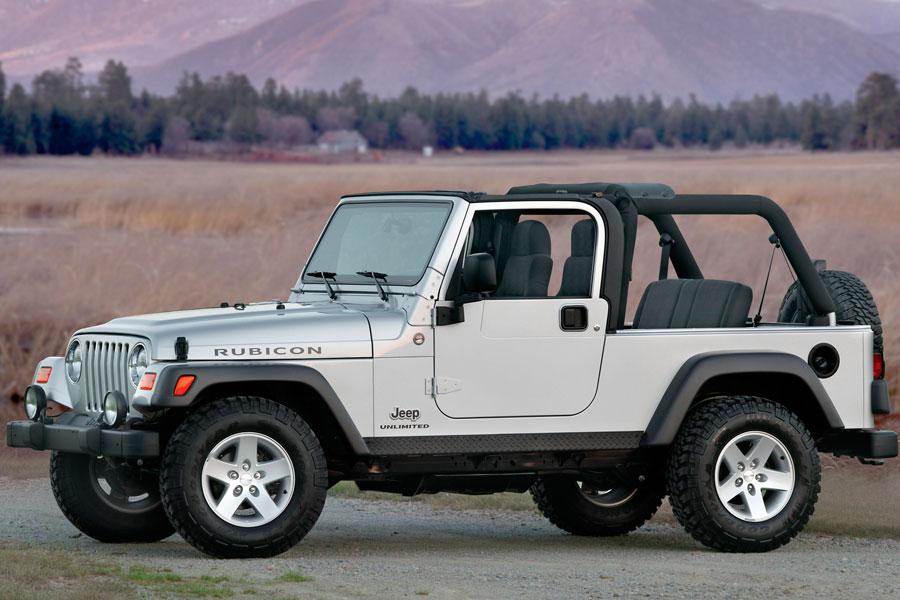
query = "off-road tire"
x=561 y=501
x=853 y=301
x=183 y=461
x=85 y=506
x=692 y=487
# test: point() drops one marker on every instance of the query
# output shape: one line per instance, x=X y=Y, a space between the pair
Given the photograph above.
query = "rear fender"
x=685 y=387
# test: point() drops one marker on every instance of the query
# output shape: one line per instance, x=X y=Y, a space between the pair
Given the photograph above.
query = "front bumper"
x=81 y=434
x=861 y=443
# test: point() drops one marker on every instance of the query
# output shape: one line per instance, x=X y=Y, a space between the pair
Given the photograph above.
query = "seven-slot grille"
x=104 y=368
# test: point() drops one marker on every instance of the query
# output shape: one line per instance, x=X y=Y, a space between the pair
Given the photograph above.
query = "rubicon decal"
x=270 y=351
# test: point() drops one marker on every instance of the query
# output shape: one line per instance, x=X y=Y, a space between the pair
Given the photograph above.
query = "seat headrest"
x=530 y=237
x=583 y=238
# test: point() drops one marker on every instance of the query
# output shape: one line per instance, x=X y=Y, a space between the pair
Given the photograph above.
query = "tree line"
x=63 y=113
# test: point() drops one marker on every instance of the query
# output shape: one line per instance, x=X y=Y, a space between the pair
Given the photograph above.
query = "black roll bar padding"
x=694 y=204
x=683 y=260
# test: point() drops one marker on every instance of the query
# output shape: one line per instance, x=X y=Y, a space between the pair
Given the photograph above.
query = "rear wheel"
x=743 y=474
x=110 y=501
x=244 y=477
x=600 y=505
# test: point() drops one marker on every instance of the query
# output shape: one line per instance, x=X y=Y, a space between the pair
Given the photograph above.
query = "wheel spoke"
x=218 y=469
x=275 y=470
x=728 y=490
x=776 y=480
x=756 y=505
x=762 y=450
x=732 y=456
x=246 y=450
x=264 y=505
x=229 y=503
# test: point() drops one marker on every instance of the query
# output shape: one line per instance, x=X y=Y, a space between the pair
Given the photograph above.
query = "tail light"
x=878 y=365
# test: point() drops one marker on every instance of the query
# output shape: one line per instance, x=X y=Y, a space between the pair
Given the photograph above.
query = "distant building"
x=343 y=141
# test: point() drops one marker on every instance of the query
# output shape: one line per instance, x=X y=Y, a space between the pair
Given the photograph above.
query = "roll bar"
x=700 y=204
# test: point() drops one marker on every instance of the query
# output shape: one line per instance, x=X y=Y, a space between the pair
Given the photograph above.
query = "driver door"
x=527 y=350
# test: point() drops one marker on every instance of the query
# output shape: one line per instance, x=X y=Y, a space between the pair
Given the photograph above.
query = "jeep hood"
x=299 y=331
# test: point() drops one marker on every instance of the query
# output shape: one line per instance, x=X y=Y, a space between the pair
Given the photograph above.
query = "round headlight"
x=35 y=402
x=137 y=363
x=73 y=362
x=115 y=409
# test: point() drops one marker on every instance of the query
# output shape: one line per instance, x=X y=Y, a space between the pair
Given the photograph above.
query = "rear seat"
x=693 y=303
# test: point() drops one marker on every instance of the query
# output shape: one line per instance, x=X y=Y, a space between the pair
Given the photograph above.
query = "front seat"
x=576 y=277
x=527 y=272
x=692 y=303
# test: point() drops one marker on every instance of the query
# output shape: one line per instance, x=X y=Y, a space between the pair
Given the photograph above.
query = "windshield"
x=393 y=238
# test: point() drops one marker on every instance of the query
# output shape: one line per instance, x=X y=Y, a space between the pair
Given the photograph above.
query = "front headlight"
x=73 y=362
x=137 y=363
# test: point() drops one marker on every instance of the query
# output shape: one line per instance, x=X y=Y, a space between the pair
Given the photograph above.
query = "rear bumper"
x=81 y=434
x=861 y=443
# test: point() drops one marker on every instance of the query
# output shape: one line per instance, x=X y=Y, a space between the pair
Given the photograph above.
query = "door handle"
x=573 y=318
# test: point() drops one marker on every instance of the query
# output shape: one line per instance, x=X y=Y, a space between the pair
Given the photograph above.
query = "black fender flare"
x=214 y=373
x=697 y=370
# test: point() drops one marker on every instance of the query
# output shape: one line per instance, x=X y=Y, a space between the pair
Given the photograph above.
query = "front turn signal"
x=43 y=375
x=148 y=380
x=183 y=384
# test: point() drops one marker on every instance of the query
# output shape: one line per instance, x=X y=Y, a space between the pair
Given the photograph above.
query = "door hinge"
x=442 y=385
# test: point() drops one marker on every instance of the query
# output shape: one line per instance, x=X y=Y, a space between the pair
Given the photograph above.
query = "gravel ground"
x=386 y=549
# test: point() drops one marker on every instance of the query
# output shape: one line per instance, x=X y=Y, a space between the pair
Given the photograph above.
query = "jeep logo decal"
x=405 y=415
x=285 y=351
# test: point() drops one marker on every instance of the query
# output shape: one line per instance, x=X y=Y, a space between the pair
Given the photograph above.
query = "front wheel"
x=110 y=501
x=244 y=477
x=743 y=474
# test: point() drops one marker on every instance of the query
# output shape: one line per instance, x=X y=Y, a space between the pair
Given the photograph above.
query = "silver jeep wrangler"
x=474 y=343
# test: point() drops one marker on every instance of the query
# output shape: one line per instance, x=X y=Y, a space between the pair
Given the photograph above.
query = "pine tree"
x=878 y=112
x=18 y=137
x=2 y=103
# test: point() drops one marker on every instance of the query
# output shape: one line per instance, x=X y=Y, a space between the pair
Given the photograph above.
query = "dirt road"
x=380 y=549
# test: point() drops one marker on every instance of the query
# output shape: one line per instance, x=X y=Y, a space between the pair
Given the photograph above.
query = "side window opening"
x=718 y=300
x=538 y=254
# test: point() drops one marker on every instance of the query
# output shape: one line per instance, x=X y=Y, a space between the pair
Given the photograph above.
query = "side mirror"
x=480 y=273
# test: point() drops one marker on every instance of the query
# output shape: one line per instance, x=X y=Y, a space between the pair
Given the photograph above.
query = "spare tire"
x=852 y=299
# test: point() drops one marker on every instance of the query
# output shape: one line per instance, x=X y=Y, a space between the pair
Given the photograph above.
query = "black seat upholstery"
x=576 y=277
x=527 y=270
x=687 y=303
x=504 y=223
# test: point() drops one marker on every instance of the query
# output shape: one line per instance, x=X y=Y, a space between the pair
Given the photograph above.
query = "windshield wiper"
x=375 y=276
x=325 y=276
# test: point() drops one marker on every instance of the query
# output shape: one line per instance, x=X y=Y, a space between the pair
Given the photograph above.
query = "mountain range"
x=715 y=49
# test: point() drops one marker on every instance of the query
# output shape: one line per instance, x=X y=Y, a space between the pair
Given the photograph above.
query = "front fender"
x=699 y=369
x=215 y=373
x=57 y=389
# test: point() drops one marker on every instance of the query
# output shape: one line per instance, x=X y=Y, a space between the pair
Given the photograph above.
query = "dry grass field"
x=85 y=240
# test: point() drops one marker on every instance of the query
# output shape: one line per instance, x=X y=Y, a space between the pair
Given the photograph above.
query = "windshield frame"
x=366 y=281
